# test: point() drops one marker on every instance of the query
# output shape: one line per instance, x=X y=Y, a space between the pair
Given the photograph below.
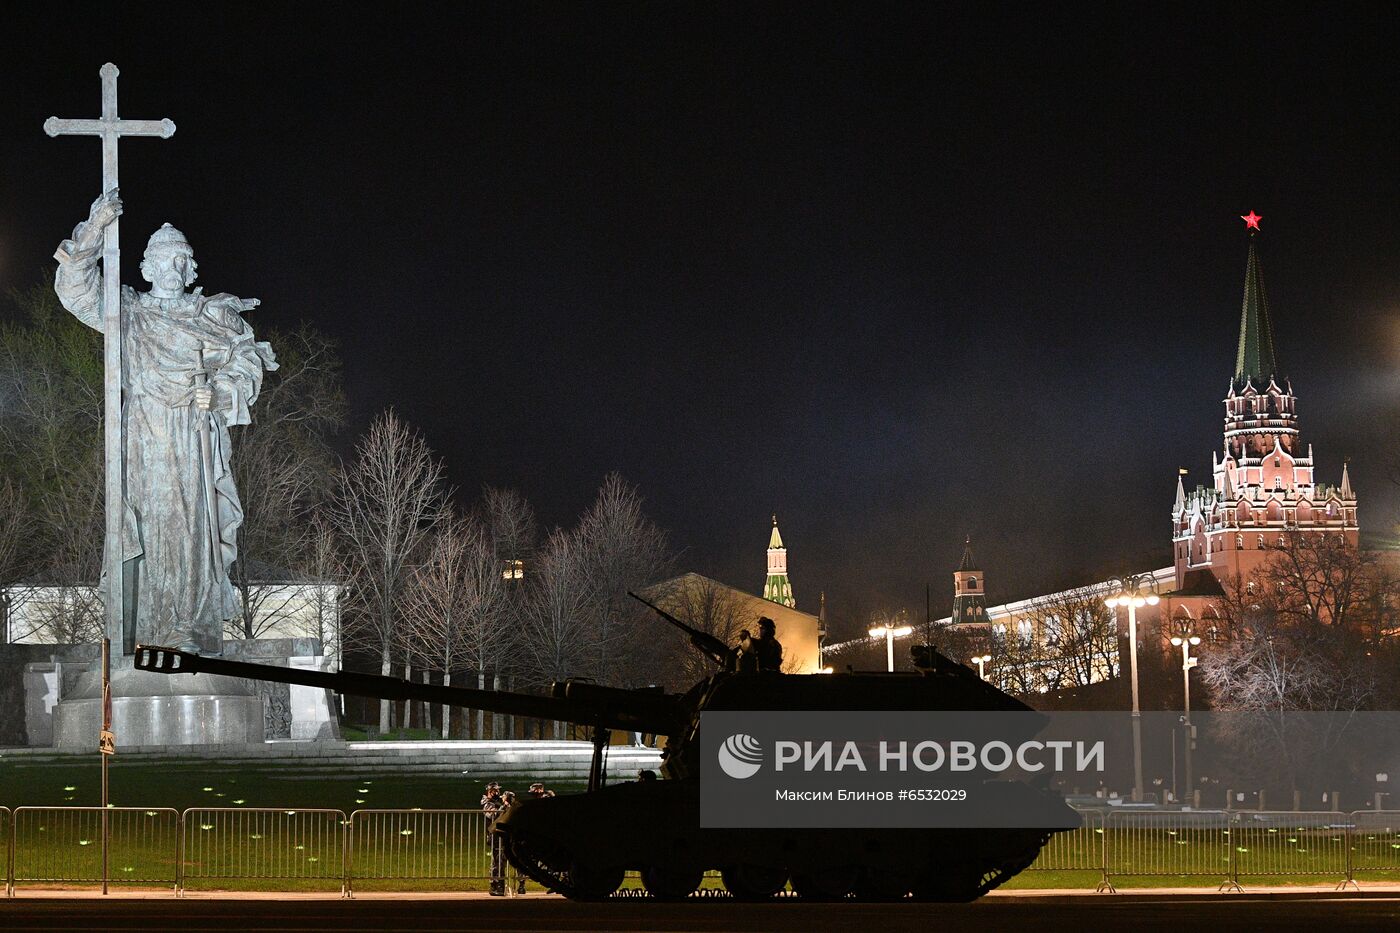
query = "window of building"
x=972 y=583
x=1239 y=542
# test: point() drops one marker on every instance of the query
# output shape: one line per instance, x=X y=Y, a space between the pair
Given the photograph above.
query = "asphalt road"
x=547 y=914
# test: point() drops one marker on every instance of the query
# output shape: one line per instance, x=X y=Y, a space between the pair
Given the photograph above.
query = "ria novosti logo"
x=740 y=756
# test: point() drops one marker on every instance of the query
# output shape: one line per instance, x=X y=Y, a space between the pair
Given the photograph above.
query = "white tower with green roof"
x=969 y=590
x=778 y=588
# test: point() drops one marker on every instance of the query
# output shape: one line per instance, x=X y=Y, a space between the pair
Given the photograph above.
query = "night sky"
x=898 y=274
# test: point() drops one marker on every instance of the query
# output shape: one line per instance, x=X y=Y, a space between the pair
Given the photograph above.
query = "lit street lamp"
x=1186 y=639
x=1133 y=591
x=891 y=633
x=982 y=659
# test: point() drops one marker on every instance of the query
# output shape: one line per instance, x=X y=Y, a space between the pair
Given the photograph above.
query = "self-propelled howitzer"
x=580 y=845
x=646 y=709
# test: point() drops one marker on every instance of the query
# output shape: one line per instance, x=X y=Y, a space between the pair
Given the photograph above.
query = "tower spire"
x=1346 y=482
x=1254 y=360
x=777 y=587
x=969 y=589
x=967 y=561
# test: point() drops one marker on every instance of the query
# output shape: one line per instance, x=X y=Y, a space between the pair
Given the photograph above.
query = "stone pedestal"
x=159 y=709
x=42 y=683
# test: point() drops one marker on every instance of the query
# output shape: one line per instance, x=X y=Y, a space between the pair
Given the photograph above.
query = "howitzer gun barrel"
x=610 y=708
x=708 y=644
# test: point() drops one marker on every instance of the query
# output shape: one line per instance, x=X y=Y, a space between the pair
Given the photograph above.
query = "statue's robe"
x=182 y=594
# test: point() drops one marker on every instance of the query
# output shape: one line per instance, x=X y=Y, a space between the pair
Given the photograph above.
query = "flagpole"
x=102 y=751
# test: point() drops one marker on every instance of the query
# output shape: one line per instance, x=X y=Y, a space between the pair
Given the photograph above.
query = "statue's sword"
x=206 y=450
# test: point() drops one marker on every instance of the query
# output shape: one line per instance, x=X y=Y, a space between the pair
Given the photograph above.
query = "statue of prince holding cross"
x=191 y=370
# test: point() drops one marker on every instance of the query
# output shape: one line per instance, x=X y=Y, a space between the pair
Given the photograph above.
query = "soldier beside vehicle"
x=494 y=803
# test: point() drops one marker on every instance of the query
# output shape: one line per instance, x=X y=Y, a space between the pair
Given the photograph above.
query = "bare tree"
x=621 y=549
x=389 y=502
x=15 y=526
x=284 y=469
x=708 y=606
x=1018 y=659
x=457 y=604
x=514 y=534
x=322 y=572
x=1297 y=638
x=558 y=638
x=1078 y=636
x=50 y=453
x=1316 y=579
x=511 y=527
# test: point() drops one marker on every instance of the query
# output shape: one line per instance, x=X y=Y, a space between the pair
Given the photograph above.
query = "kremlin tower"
x=969 y=591
x=1263 y=487
x=778 y=588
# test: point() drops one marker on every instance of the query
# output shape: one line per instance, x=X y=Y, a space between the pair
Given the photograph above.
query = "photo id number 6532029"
x=934 y=794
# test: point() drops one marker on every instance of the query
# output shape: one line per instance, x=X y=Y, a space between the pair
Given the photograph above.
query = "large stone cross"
x=110 y=128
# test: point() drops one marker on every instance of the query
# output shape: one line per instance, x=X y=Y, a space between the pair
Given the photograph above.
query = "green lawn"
x=300 y=851
x=195 y=782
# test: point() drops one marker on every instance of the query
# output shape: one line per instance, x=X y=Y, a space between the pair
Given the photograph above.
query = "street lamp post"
x=1186 y=639
x=982 y=659
x=891 y=632
x=1133 y=591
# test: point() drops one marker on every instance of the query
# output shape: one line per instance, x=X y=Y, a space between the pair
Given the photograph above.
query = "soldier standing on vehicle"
x=742 y=659
x=766 y=647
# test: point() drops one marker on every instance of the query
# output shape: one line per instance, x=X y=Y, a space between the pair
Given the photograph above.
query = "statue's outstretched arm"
x=78 y=281
x=238 y=365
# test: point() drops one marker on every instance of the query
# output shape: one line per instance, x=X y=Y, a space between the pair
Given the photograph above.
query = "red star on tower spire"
x=1251 y=220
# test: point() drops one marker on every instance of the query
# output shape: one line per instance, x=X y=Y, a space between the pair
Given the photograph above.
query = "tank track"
x=532 y=865
x=538 y=867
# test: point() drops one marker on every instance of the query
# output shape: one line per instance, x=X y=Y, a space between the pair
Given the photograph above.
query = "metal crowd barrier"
x=1375 y=843
x=1075 y=850
x=418 y=845
x=1177 y=842
x=1272 y=843
x=8 y=848
x=318 y=846
x=64 y=845
x=305 y=846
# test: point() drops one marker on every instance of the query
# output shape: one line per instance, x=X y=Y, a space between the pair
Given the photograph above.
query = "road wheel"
x=949 y=884
x=671 y=882
x=826 y=884
x=754 y=882
x=594 y=882
x=884 y=885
